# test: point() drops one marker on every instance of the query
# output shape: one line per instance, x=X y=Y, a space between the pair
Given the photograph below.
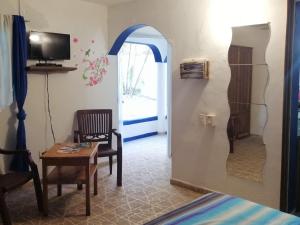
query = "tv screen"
x=48 y=46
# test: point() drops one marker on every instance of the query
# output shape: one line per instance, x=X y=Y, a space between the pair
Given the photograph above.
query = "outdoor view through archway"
x=138 y=82
x=143 y=86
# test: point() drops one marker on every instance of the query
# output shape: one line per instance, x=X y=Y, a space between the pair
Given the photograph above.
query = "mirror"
x=246 y=97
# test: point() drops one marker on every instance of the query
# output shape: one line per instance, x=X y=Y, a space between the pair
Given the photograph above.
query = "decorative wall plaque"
x=194 y=69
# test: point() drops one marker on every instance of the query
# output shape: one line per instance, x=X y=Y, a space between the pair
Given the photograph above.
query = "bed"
x=216 y=208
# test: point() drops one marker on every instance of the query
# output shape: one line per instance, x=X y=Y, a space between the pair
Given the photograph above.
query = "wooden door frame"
x=287 y=105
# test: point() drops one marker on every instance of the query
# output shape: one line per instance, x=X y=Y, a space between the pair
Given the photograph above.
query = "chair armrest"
x=14 y=152
x=119 y=139
x=31 y=163
x=115 y=132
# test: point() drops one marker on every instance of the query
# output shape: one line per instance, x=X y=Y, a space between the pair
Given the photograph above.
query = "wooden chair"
x=232 y=128
x=13 y=180
x=95 y=125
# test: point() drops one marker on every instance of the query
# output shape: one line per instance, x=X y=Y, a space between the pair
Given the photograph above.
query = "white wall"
x=203 y=29
x=68 y=92
x=256 y=37
x=162 y=100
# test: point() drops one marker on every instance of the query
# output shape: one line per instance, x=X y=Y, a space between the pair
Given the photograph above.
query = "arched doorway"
x=154 y=57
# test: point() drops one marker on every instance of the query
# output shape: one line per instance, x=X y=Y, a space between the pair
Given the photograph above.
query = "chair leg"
x=110 y=164
x=59 y=190
x=4 y=211
x=119 y=169
x=38 y=191
x=231 y=144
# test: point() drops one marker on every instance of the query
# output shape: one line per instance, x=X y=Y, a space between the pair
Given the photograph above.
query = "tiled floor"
x=146 y=192
x=248 y=159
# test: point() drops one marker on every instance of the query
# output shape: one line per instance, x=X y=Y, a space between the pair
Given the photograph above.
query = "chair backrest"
x=95 y=125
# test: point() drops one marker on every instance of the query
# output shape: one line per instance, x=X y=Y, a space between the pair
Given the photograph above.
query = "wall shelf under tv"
x=49 y=69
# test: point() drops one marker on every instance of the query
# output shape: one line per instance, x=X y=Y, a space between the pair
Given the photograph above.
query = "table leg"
x=59 y=186
x=96 y=175
x=45 y=189
x=87 y=190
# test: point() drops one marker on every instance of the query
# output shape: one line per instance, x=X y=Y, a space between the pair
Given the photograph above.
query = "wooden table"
x=70 y=168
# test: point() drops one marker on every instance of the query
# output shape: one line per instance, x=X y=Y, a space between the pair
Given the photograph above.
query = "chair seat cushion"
x=11 y=181
x=106 y=152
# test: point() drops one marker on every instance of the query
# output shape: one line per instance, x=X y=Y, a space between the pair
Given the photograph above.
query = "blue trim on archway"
x=155 y=50
x=166 y=59
x=122 y=38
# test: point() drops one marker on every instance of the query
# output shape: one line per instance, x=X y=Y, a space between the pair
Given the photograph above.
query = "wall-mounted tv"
x=46 y=46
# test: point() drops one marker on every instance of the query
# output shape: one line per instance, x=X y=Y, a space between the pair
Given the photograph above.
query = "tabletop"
x=84 y=152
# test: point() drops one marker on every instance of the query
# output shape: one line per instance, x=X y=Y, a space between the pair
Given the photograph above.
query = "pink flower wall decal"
x=75 y=40
x=94 y=66
x=95 y=70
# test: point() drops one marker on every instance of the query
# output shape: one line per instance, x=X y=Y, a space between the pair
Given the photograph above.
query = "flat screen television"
x=46 y=46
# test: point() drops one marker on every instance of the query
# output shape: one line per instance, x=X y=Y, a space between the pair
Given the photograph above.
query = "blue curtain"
x=19 y=58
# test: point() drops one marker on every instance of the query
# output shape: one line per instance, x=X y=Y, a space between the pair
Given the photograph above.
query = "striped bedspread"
x=217 y=208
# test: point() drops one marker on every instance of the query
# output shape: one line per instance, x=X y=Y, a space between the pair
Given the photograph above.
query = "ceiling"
x=109 y=2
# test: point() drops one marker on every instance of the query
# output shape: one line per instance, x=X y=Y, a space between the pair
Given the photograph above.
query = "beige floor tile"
x=248 y=159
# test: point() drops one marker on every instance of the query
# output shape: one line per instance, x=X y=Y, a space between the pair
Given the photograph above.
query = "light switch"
x=207 y=119
x=211 y=120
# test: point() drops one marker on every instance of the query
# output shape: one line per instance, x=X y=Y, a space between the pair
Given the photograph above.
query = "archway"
x=142 y=34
